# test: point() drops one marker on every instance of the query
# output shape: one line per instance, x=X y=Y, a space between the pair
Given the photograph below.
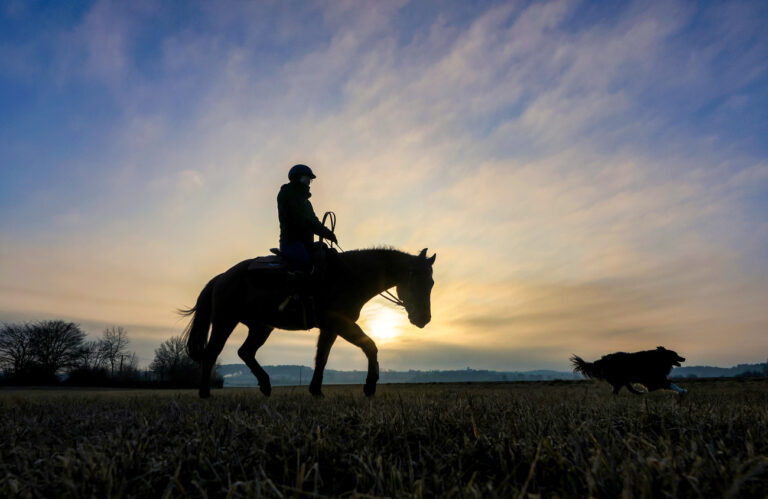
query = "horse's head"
x=416 y=289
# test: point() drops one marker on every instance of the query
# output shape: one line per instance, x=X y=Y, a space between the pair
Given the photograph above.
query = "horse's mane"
x=390 y=253
x=379 y=247
x=385 y=253
x=385 y=247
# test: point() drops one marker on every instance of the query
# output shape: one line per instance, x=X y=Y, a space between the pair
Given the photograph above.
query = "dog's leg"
x=677 y=388
x=633 y=390
x=616 y=389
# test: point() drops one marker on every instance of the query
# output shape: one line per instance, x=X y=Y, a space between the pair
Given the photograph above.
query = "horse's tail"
x=583 y=367
x=196 y=332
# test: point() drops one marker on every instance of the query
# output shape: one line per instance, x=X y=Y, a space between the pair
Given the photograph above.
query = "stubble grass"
x=464 y=440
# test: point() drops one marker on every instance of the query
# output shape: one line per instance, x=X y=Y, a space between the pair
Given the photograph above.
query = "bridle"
x=386 y=294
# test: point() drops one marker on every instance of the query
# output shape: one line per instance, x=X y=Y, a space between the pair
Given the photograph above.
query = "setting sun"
x=383 y=323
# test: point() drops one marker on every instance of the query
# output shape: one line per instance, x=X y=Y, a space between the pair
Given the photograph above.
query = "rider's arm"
x=301 y=214
x=316 y=225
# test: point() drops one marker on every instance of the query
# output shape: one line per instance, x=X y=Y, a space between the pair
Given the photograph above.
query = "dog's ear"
x=660 y=348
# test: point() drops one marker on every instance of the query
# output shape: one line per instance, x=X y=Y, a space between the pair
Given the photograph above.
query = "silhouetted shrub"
x=174 y=368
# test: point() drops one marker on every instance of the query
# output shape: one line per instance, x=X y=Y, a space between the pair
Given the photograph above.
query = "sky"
x=593 y=176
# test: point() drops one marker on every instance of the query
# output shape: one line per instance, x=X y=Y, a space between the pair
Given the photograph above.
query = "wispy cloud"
x=591 y=181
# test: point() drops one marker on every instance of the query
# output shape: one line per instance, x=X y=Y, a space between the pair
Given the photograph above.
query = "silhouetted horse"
x=351 y=279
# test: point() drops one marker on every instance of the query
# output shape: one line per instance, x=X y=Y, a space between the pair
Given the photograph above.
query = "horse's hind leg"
x=324 y=344
x=256 y=337
x=219 y=334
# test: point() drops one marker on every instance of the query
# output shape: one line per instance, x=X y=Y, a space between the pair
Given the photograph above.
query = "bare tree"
x=92 y=355
x=172 y=365
x=56 y=345
x=170 y=358
x=129 y=365
x=115 y=345
x=15 y=349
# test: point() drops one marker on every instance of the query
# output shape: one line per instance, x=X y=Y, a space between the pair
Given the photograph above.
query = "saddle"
x=302 y=288
x=276 y=262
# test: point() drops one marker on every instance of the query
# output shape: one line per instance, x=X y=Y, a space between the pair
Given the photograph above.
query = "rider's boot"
x=302 y=285
x=296 y=282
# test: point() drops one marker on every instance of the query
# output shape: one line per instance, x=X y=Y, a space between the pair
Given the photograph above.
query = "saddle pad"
x=271 y=262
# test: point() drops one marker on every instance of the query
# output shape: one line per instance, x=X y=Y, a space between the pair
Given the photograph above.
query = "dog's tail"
x=583 y=367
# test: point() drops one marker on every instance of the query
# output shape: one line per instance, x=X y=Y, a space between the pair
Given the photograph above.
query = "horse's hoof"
x=266 y=390
x=369 y=390
x=316 y=392
x=205 y=394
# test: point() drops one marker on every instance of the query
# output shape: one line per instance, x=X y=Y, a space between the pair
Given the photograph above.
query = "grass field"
x=561 y=439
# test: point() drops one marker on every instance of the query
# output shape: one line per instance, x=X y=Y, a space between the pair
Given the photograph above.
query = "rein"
x=386 y=294
x=392 y=298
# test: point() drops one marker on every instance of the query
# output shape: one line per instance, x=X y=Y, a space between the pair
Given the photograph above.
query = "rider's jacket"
x=298 y=222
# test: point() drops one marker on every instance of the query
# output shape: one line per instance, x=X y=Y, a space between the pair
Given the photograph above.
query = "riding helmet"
x=298 y=171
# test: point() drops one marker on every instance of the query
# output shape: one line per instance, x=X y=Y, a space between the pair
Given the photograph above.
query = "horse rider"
x=298 y=222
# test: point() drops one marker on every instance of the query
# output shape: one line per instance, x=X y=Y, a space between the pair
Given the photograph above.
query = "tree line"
x=58 y=353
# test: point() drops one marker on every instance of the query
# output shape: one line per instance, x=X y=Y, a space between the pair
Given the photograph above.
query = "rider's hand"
x=328 y=234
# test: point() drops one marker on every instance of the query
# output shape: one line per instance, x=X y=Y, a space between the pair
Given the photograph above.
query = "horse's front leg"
x=324 y=344
x=353 y=334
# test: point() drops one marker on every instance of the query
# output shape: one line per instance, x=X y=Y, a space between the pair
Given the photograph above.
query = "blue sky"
x=592 y=175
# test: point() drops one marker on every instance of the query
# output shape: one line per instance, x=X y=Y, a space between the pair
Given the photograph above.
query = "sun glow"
x=382 y=323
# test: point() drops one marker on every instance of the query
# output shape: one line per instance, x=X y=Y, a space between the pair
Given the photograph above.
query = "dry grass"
x=507 y=440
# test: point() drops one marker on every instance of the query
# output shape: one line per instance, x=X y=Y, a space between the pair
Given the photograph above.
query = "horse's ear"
x=423 y=253
x=431 y=259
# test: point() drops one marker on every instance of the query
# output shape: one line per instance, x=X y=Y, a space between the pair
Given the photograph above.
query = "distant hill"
x=719 y=372
x=240 y=375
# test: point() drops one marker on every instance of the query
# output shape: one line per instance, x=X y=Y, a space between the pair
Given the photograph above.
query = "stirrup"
x=310 y=301
x=281 y=307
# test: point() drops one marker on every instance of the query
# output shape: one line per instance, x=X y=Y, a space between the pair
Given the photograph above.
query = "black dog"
x=649 y=368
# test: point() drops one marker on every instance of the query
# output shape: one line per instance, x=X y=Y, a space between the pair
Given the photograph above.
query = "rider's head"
x=301 y=173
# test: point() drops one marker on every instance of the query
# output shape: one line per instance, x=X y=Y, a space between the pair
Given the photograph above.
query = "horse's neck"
x=378 y=269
